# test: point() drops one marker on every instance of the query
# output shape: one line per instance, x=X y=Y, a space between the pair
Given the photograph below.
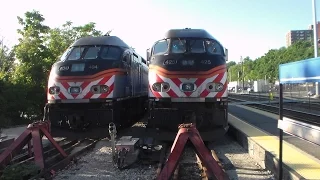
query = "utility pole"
x=315 y=39
x=242 y=61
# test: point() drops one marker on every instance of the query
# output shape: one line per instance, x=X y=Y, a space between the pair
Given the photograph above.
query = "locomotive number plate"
x=77 y=67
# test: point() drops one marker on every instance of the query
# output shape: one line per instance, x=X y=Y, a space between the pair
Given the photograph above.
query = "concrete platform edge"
x=262 y=156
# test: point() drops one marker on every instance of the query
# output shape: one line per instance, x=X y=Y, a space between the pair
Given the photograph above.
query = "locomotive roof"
x=181 y=33
x=100 y=40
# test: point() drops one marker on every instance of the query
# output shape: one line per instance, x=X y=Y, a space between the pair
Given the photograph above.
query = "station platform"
x=257 y=131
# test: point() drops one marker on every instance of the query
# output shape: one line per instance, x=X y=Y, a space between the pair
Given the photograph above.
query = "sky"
x=244 y=27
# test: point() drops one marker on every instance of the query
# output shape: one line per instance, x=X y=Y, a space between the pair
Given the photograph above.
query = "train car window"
x=178 y=46
x=160 y=47
x=214 y=48
x=135 y=57
x=128 y=59
x=111 y=53
x=76 y=53
x=197 y=46
x=143 y=61
x=65 y=54
x=92 y=53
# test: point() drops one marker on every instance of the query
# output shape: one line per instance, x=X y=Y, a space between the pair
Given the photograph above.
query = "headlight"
x=219 y=86
x=161 y=87
x=104 y=88
x=98 y=89
x=74 y=90
x=188 y=87
x=54 y=90
x=215 y=87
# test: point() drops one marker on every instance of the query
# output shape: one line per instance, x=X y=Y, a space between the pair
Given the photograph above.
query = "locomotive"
x=188 y=83
x=97 y=80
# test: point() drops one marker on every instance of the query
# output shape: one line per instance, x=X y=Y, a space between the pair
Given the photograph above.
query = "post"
x=309 y=103
x=315 y=29
x=281 y=132
x=242 y=74
x=113 y=133
x=315 y=40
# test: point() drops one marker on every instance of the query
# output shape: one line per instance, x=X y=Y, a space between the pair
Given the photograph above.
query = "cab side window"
x=92 y=53
x=160 y=47
x=197 y=46
x=178 y=46
x=127 y=58
x=76 y=53
x=110 y=53
x=214 y=48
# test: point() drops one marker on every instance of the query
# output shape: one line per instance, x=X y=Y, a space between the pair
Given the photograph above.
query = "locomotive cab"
x=187 y=75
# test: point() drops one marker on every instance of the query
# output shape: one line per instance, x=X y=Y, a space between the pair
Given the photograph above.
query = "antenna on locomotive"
x=108 y=33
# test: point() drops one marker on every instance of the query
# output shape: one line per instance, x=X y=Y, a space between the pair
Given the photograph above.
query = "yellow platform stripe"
x=302 y=163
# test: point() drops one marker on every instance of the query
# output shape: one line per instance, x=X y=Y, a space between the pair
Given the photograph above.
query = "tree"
x=60 y=39
x=31 y=52
x=268 y=64
x=6 y=62
x=38 y=48
x=231 y=63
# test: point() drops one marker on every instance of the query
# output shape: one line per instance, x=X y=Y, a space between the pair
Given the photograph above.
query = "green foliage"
x=6 y=62
x=23 y=85
x=60 y=39
x=20 y=171
x=267 y=66
x=231 y=63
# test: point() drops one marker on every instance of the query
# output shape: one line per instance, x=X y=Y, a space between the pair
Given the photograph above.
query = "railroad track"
x=189 y=166
x=252 y=97
x=54 y=161
x=299 y=104
x=310 y=118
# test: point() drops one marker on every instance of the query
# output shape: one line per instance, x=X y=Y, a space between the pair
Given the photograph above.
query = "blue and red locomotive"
x=188 y=82
x=96 y=81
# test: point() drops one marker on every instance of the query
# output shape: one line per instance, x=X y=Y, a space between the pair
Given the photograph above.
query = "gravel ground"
x=189 y=166
x=237 y=162
x=97 y=164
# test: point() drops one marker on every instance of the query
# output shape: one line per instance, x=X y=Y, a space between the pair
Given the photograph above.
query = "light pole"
x=315 y=38
x=315 y=34
x=242 y=74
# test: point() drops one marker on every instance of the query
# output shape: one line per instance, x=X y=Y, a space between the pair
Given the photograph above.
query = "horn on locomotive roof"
x=108 y=33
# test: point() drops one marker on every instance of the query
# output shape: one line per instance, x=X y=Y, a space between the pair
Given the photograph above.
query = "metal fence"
x=301 y=90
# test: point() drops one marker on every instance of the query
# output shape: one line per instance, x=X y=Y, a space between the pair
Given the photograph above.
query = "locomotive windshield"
x=91 y=53
x=181 y=45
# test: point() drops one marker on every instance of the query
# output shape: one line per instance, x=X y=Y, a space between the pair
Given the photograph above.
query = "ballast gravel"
x=237 y=162
x=98 y=165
